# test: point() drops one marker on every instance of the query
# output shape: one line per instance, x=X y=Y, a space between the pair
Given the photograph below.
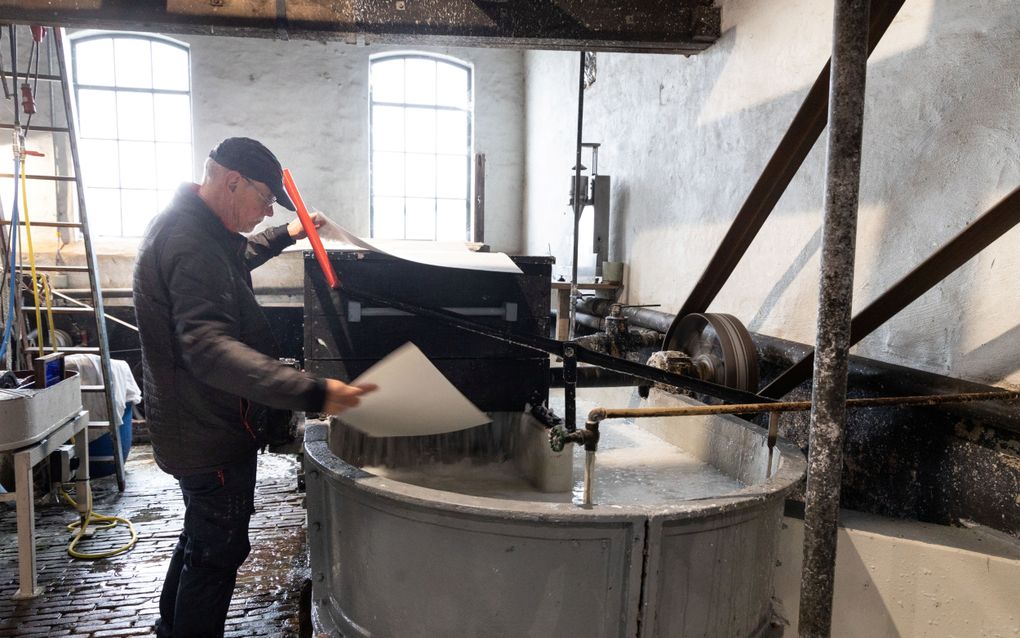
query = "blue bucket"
x=101 y=462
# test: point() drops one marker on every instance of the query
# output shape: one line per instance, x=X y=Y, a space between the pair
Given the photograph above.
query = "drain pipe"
x=839 y=232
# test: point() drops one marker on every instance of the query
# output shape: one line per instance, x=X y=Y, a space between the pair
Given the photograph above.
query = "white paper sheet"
x=413 y=399
x=445 y=254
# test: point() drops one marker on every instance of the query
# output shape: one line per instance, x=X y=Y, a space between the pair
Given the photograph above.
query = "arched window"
x=421 y=108
x=134 y=123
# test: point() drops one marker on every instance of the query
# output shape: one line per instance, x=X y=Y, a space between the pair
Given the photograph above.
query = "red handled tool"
x=309 y=226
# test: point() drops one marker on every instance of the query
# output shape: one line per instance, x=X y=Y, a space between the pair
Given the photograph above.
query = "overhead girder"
x=668 y=26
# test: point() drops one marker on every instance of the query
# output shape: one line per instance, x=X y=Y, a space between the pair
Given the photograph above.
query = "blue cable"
x=13 y=244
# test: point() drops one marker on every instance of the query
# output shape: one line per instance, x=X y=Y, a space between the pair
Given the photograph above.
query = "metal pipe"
x=577 y=197
x=478 y=210
x=601 y=414
x=589 y=321
x=641 y=317
x=835 y=295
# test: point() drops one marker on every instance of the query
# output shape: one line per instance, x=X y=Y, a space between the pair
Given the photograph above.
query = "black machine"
x=485 y=331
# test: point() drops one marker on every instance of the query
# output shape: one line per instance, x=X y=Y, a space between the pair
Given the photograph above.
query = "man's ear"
x=233 y=177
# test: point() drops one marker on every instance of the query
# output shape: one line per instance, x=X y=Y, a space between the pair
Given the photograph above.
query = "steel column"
x=839 y=230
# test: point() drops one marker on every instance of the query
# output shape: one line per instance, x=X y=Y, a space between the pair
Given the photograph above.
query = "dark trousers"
x=214 y=543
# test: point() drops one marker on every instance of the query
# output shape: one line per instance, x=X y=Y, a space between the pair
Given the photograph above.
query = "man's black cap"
x=256 y=162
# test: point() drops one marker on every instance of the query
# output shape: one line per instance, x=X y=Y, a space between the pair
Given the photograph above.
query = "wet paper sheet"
x=413 y=399
x=445 y=254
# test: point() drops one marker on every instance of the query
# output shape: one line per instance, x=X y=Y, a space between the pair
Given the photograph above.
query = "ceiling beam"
x=668 y=26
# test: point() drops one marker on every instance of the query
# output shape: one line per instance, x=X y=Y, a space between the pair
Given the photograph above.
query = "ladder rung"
x=57 y=268
x=43 y=77
x=48 y=178
x=67 y=349
x=7 y=222
x=62 y=309
x=38 y=129
x=95 y=425
x=93 y=388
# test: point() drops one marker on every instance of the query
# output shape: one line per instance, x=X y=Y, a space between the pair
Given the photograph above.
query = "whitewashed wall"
x=685 y=138
x=308 y=102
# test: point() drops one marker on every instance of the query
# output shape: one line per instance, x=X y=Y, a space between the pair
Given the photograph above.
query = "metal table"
x=24 y=460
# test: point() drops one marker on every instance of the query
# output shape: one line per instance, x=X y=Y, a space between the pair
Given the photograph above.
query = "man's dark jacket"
x=206 y=345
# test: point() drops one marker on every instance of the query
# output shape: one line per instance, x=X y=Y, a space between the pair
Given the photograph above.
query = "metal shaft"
x=839 y=231
x=577 y=197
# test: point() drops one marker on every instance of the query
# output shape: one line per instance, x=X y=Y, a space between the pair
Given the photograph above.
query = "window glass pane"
x=172 y=117
x=97 y=113
x=387 y=128
x=388 y=218
x=388 y=81
x=420 y=178
x=451 y=219
x=137 y=165
x=173 y=165
x=451 y=132
x=451 y=176
x=134 y=116
x=139 y=208
x=99 y=166
x=163 y=199
x=451 y=85
x=133 y=63
x=421 y=219
x=103 y=209
x=93 y=62
x=388 y=174
x=170 y=67
x=420 y=81
x=421 y=131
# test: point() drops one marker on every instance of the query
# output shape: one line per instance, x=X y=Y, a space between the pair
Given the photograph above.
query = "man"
x=210 y=369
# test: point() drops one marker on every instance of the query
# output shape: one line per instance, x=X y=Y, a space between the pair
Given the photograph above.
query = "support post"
x=839 y=231
x=578 y=204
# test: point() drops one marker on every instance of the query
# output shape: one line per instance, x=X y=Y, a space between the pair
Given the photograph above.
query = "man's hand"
x=340 y=396
x=297 y=231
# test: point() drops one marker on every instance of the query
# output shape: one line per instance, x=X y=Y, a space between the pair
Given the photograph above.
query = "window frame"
x=468 y=110
x=92 y=35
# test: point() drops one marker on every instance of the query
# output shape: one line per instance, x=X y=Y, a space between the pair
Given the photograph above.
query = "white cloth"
x=124 y=388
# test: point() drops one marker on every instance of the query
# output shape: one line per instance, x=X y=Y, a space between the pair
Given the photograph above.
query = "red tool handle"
x=309 y=226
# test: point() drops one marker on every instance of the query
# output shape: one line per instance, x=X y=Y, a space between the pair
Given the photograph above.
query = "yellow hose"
x=31 y=259
x=49 y=313
x=91 y=518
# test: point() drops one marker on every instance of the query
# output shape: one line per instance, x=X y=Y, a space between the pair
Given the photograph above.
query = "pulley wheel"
x=720 y=348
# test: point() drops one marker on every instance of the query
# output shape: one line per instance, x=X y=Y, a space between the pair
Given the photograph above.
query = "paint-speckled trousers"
x=214 y=543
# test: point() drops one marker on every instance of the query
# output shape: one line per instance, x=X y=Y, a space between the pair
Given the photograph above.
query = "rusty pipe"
x=601 y=414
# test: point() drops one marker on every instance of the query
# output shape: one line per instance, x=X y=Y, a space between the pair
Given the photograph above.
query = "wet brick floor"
x=119 y=596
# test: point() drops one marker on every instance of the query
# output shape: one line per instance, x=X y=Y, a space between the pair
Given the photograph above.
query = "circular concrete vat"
x=390 y=558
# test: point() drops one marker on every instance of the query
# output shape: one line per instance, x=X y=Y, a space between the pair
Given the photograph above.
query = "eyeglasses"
x=268 y=200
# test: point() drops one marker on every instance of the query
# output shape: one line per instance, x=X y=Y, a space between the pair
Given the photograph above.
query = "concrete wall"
x=685 y=138
x=904 y=578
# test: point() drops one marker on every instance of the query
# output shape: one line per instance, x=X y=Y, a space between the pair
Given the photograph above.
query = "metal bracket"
x=507 y=312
